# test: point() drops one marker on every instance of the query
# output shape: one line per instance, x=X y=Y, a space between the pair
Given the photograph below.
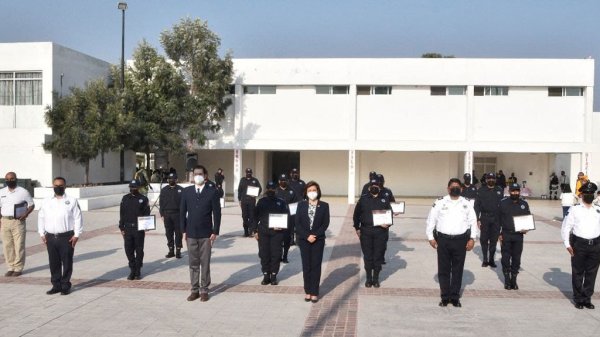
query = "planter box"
x=92 y=197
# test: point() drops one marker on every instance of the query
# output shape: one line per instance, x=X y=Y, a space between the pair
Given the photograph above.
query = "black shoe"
x=507 y=283
x=513 y=282
x=266 y=280
x=274 y=281
x=285 y=260
x=131 y=275
x=492 y=264
x=443 y=303
x=52 y=291
x=456 y=303
x=485 y=264
x=65 y=292
x=368 y=284
x=178 y=253
x=578 y=306
x=170 y=254
x=292 y=243
x=383 y=262
x=376 y=279
x=589 y=305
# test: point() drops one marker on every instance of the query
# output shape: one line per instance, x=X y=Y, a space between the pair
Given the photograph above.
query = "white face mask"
x=312 y=195
x=198 y=179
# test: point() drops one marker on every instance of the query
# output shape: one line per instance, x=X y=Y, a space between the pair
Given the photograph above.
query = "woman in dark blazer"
x=312 y=220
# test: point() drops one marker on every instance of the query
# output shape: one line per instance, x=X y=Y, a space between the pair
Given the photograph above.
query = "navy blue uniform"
x=247 y=203
x=132 y=206
x=289 y=196
x=486 y=209
x=203 y=212
x=298 y=186
x=512 y=242
x=269 y=240
x=469 y=192
x=169 y=202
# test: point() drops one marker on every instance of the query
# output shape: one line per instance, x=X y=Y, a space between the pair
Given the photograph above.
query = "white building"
x=417 y=121
x=29 y=74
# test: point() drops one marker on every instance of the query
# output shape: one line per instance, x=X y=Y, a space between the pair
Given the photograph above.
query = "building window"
x=260 y=90
x=565 y=91
x=231 y=89
x=373 y=90
x=438 y=91
x=451 y=90
x=457 y=90
x=21 y=88
x=491 y=91
x=332 y=89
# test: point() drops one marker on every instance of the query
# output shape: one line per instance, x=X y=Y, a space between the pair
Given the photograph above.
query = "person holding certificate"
x=511 y=235
x=248 y=189
x=451 y=230
x=581 y=235
x=486 y=208
x=312 y=220
x=372 y=217
x=271 y=221
x=284 y=192
x=133 y=205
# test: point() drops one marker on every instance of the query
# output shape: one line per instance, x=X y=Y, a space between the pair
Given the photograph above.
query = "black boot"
x=292 y=240
x=513 y=282
x=131 y=274
x=376 y=278
x=274 y=281
x=178 y=253
x=266 y=279
x=171 y=253
x=138 y=274
x=369 y=282
x=507 y=281
x=246 y=234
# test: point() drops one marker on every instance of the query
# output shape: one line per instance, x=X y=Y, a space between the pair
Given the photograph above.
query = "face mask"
x=312 y=195
x=455 y=191
x=59 y=191
x=134 y=191
x=491 y=183
x=11 y=184
x=515 y=196
x=198 y=179
x=283 y=184
x=374 y=190
x=248 y=175
x=270 y=193
x=588 y=198
x=172 y=183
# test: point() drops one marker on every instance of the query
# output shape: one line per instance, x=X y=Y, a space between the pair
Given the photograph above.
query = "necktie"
x=198 y=192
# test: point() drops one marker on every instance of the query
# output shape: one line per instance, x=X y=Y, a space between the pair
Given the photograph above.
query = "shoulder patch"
x=522 y=206
x=291 y=192
x=382 y=200
x=67 y=202
x=141 y=201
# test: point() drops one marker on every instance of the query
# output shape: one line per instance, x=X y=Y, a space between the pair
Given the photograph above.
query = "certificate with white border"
x=278 y=221
x=252 y=191
x=524 y=223
x=293 y=207
x=222 y=202
x=146 y=223
x=382 y=217
x=398 y=207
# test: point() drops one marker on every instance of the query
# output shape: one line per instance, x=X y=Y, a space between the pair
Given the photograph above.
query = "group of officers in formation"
x=290 y=213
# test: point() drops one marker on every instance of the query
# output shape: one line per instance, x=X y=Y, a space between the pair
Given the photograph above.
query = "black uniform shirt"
x=486 y=204
x=509 y=209
x=388 y=194
x=243 y=186
x=298 y=187
x=469 y=192
x=170 y=198
x=132 y=206
x=288 y=195
x=363 y=212
x=265 y=206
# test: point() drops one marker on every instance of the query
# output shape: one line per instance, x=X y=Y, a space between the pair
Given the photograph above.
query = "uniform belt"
x=589 y=242
x=453 y=236
x=62 y=235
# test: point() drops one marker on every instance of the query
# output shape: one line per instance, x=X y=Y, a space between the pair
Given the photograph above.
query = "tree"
x=84 y=124
x=193 y=47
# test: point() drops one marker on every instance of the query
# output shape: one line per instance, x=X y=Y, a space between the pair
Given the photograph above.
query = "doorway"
x=282 y=162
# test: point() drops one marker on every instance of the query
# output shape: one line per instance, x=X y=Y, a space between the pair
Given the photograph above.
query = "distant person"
x=582 y=179
x=487 y=208
x=469 y=191
x=219 y=180
x=144 y=182
x=512 y=179
x=169 y=203
x=554 y=184
x=567 y=200
x=133 y=205
x=564 y=181
x=365 y=189
x=247 y=201
x=501 y=180
x=297 y=184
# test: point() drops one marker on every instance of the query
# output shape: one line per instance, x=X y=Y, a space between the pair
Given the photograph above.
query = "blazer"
x=197 y=212
x=320 y=223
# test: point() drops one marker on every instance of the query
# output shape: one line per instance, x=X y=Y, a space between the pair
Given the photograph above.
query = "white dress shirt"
x=59 y=215
x=583 y=221
x=452 y=217
x=8 y=199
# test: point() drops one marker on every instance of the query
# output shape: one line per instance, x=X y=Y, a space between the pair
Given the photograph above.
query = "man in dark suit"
x=200 y=215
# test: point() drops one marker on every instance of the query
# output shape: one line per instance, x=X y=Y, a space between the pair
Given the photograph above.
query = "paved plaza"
x=104 y=303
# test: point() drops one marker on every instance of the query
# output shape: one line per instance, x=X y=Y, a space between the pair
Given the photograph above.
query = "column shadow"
x=561 y=280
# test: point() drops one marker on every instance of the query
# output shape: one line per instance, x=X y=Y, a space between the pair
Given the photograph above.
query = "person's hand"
x=23 y=217
x=385 y=226
x=500 y=238
x=478 y=224
x=358 y=233
x=571 y=251
x=524 y=231
x=256 y=236
x=123 y=233
x=44 y=239
x=73 y=241
x=470 y=245
x=312 y=238
x=433 y=244
x=213 y=237
x=397 y=213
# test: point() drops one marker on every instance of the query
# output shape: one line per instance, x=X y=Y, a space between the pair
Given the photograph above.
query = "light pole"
x=122 y=6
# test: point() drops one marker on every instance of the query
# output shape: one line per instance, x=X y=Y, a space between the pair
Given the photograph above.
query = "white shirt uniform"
x=8 y=199
x=583 y=221
x=60 y=215
x=452 y=217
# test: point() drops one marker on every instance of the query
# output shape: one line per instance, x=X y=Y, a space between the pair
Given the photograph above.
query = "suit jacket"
x=197 y=212
x=320 y=223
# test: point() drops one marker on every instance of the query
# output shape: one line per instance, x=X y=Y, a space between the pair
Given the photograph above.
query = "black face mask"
x=172 y=182
x=248 y=175
x=134 y=191
x=491 y=183
x=59 y=191
x=270 y=193
x=283 y=184
x=515 y=196
x=374 y=190
x=455 y=191
x=588 y=198
x=11 y=184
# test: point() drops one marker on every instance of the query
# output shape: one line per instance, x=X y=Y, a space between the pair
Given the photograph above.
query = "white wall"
x=328 y=168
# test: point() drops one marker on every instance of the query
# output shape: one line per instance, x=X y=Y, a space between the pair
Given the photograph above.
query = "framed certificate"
x=222 y=202
x=278 y=221
x=293 y=207
x=20 y=209
x=252 y=191
x=146 y=223
x=382 y=217
x=398 y=207
x=524 y=223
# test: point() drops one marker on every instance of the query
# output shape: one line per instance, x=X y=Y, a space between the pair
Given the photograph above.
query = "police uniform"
x=389 y=195
x=469 y=190
x=452 y=223
x=247 y=203
x=133 y=206
x=219 y=179
x=289 y=196
x=512 y=242
x=269 y=239
x=581 y=233
x=365 y=188
x=169 y=201
x=297 y=184
x=372 y=238
x=486 y=208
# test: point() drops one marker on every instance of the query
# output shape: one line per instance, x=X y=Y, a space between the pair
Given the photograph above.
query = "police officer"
x=486 y=208
x=510 y=240
x=219 y=179
x=133 y=205
x=372 y=238
x=169 y=201
x=451 y=230
x=389 y=195
x=365 y=189
x=269 y=239
x=285 y=193
x=581 y=235
x=296 y=183
x=247 y=202
x=469 y=191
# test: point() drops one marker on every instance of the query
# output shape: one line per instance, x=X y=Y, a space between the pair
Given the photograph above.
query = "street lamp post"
x=122 y=6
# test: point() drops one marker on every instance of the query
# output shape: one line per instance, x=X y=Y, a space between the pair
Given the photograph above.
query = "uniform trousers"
x=199 y=252
x=512 y=247
x=60 y=258
x=248 y=205
x=173 y=230
x=373 y=241
x=312 y=259
x=269 y=250
x=134 y=246
x=584 y=267
x=288 y=235
x=490 y=230
x=451 y=253
x=13 y=243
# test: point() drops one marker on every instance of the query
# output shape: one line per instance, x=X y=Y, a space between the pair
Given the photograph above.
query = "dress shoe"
x=178 y=253
x=443 y=303
x=17 y=273
x=314 y=299
x=485 y=264
x=578 y=305
x=368 y=284
x=589 y=305
x=492 y=264
x=285 y=260
x=9 y=273
x=456 y=303
x=52 y=291
x=203 y=297
x=383 y=262
x=266 y=280
x=292 y=243
x=274 y=281
x=131 y=275
x=193 y=297
x=65 y=292
x=170 y=254
x=307 y=298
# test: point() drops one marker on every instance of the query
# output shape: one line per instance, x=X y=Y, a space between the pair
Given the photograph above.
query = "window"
x=491 y=91
x=457 y=90
x=438 y=91
x=23 y=88
x=363 y=90
x=332 y=89
x=260 y=90
x=231 y=89
x=451 y=90
x=565 y=91
x=373 y=90
x=555 y=91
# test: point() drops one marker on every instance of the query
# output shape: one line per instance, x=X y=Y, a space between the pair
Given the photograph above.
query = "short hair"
x=454 y=180
x=200 y=167
x=60 y=178
x=310 y=184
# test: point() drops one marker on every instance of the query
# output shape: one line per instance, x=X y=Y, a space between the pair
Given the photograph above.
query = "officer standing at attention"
x=486 y=208
x=133 y=205
x=511 y=241
x=581 y=235
x=372 y=238
x=285 y=193
x=389 y=195
x=469 y=191
x=269 y=239
x=451 y=230
x=365 y=189
x=169 y=201
x=296 y=183
x=247 y=202
x=219 y=179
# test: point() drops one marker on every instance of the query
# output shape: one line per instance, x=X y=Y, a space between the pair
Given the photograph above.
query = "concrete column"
x=237 y=171
x=468 y=162
x=351 y=176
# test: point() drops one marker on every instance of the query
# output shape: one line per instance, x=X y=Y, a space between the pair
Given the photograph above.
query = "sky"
x=322 y=28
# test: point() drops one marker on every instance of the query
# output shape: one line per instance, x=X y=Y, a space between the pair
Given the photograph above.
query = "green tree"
x=193 y=47
x=84 y=123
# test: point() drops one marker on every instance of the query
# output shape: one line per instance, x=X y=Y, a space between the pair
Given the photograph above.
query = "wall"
x=328 y=168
